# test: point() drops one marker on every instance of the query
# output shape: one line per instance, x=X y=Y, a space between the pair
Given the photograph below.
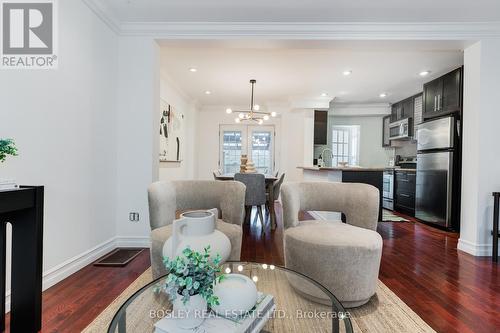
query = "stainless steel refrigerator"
x=437 y=198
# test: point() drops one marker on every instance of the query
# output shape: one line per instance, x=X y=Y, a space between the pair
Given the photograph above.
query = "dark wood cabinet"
x=320 y=127
x=404 y=189
x=403 y=109
x=386 y=121
x=407 y=108
x=444 y=95
x=396 y=112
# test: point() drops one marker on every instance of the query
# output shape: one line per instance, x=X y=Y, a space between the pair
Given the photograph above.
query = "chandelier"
x=253 y=114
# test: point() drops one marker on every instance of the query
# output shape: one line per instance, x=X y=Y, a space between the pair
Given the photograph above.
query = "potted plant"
x=7 y=147
x=190 y=285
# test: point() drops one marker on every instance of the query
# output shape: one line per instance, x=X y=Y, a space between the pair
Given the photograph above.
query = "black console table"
x=496 y=196
x=23 y=209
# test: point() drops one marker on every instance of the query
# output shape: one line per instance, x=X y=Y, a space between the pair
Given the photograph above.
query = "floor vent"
x=118 y=257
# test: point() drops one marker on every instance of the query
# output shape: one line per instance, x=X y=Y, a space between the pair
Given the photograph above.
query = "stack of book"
x=8 y=184
x=251 y=322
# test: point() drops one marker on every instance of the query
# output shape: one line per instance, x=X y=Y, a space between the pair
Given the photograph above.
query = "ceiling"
x=291 y=70
x=300 y=10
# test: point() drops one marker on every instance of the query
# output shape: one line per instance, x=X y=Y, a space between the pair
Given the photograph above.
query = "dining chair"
x=255 y=194
x=276 y=192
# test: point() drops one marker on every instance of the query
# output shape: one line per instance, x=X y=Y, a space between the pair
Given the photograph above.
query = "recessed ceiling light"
x=324 y=94
x=229 y=111
x=383 y=95
x=193 y=70
x=273 y=114
x=424 y=73
x=347 y=73
x=208 y=92
x=256 y=107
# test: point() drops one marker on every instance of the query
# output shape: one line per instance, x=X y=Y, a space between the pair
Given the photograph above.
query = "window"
x=261 y=151
x=345 y=144
x=231 y=151
x=255 y=141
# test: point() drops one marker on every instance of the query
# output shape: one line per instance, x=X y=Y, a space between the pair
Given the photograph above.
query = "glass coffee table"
x=293 y=312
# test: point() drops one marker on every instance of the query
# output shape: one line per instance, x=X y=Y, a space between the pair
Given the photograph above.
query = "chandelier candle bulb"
x=273 y=114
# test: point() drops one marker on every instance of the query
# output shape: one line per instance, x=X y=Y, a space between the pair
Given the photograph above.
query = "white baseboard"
x=133 y=241
x=477 y=250
x=72 y=265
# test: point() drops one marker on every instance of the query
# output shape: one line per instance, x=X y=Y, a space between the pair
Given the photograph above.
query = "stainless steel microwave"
x=402 y=129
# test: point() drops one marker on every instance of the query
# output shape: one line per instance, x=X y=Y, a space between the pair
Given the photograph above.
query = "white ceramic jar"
x=189 y=315
x=237 y=295
x=196 y=229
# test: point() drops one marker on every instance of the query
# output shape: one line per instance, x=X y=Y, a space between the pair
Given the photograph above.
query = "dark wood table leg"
x=494 y=256
x=3 y=245
x=26 y=286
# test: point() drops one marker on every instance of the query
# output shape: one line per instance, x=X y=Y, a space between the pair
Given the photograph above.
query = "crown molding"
x=302 y=30
x=104 y=14
x=313 y=30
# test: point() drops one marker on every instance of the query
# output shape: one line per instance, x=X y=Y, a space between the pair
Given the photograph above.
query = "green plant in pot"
x=7 y=147
x=190 y=285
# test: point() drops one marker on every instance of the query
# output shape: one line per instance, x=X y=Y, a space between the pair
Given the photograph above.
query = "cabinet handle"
x=440 y=102
x=404 y=195
x=435 y=102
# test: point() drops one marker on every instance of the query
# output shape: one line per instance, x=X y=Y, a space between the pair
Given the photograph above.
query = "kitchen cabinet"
x=396 y=112
x=403 y=109
x=444 y=95
x=386 y=121
x=320 y=127
x=404 y=189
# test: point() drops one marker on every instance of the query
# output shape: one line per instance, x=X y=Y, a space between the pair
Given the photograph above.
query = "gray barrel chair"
x=168 y=198
x=343 y=257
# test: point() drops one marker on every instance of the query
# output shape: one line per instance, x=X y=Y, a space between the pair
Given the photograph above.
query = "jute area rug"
x=385 y=312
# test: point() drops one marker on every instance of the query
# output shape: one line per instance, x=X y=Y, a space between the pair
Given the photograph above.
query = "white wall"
x=138 y=100
x=186 y=168
x=371 y=152
x=481 y=155
x=64 y=124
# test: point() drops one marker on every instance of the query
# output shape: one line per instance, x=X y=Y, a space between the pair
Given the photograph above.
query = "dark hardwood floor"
x=450 y=290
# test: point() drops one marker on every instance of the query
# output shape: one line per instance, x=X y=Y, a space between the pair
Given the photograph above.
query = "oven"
x=388 y=190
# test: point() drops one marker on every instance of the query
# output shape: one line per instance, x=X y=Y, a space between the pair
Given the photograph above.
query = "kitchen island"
x=371 y=176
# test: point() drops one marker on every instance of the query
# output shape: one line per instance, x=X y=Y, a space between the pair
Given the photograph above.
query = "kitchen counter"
x=371 y=176
x=401 y=169
x=348 y=168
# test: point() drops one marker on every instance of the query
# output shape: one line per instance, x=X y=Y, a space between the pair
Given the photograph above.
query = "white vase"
x=189 y=315
x=237 y=295
x=196 y=230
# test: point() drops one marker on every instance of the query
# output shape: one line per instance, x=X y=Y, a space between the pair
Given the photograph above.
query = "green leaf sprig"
x=193 y=273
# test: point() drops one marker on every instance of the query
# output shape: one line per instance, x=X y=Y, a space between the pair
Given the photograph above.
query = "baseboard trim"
x=133 y=241
x=62 y=271
x=477 y=250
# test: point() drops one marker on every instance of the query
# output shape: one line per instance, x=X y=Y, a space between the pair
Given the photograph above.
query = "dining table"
x=270 y=179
